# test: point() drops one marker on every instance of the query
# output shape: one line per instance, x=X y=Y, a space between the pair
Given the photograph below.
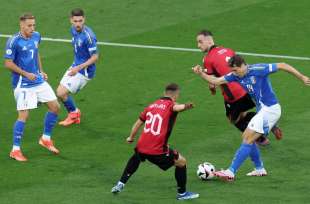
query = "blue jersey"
x=257 y=84
x=24 y=53
x=85 y=45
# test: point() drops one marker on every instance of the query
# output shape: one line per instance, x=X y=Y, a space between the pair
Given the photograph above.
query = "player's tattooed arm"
x=74 y=70
x=210 y=78
x=182 y=107
x=134 y=130
x=8 y=63
x=288 y=68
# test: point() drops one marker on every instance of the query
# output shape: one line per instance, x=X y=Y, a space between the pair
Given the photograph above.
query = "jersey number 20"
x=153 y=123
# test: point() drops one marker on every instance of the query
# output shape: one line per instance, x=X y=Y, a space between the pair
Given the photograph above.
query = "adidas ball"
x=205 y=171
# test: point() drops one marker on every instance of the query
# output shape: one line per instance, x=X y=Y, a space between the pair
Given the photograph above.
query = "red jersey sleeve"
x=143 y=115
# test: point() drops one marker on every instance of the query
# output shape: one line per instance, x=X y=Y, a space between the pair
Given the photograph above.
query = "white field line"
x=171 y=48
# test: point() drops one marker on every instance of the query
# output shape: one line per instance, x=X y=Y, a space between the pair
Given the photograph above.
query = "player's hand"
x=197 y=69
x=212 y=88
x=30 y=76
x=74 y=70
x=306 y=80
x=189 y=105
x=129 y=140
x=45 y=77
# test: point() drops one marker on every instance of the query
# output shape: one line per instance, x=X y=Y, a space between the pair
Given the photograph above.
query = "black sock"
x=131 y=167
x=180 y=176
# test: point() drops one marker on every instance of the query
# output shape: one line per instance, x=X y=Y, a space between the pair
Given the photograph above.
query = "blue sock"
x=69 y=104
x=240 y=156
x=49 y=123
x=18 y=132
x=255 y=157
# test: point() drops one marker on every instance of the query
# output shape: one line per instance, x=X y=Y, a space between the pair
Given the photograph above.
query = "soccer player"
x=254 y=79
x=238 y=102
x=29 y=84
x=158 y=119
x=83 y=69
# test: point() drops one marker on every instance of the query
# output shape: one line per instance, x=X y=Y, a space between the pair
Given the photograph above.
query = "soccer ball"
x=205 y=171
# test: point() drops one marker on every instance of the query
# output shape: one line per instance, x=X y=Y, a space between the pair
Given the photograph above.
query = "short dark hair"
x=26 y=16
x=205 y=32
x=236 y=61
x=172 y=87
x=77 y=12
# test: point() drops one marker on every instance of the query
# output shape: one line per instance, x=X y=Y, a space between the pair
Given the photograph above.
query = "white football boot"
x=258 y=172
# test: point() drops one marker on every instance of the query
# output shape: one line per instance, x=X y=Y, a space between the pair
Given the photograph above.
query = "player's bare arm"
x=134 y=130
x=8 y=63
x=45 y=77
x=74 y=70
x=182 y=107
x=212 y=88
x=288 y=68
x=210 y=78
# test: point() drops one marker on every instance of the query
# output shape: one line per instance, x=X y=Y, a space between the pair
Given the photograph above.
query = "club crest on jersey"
x=253 y=79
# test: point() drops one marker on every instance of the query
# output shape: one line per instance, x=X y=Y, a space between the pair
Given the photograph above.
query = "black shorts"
x=163 y=161
x=234 y=109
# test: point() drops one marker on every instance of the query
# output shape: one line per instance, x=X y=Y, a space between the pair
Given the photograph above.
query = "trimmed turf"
x=94 y=153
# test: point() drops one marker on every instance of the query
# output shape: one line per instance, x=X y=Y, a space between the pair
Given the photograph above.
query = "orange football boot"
x=17 y=155
x=72 y=118
x=48 y=144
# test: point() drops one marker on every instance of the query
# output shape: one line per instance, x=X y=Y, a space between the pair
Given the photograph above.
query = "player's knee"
x=61 y=92
x=249 y=136
x=23 y=115
x=54 y=107
x=181 y=162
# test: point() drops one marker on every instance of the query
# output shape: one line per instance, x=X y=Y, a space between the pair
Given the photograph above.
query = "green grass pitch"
x=94 y=153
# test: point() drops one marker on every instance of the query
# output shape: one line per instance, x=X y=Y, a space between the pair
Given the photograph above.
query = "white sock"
x=46 y=137
x=16 y=147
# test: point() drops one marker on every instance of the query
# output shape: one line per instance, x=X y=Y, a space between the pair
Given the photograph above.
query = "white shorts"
x=28 y=98
x=74 y=83
x=265 y=119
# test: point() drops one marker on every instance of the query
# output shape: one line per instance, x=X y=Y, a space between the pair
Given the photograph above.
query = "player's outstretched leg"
x=245 y=149
x=131 y=167
x=181 y=178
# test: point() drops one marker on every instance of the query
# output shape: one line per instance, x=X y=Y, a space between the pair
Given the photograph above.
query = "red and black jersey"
x=159 y=119
x=216 y=63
